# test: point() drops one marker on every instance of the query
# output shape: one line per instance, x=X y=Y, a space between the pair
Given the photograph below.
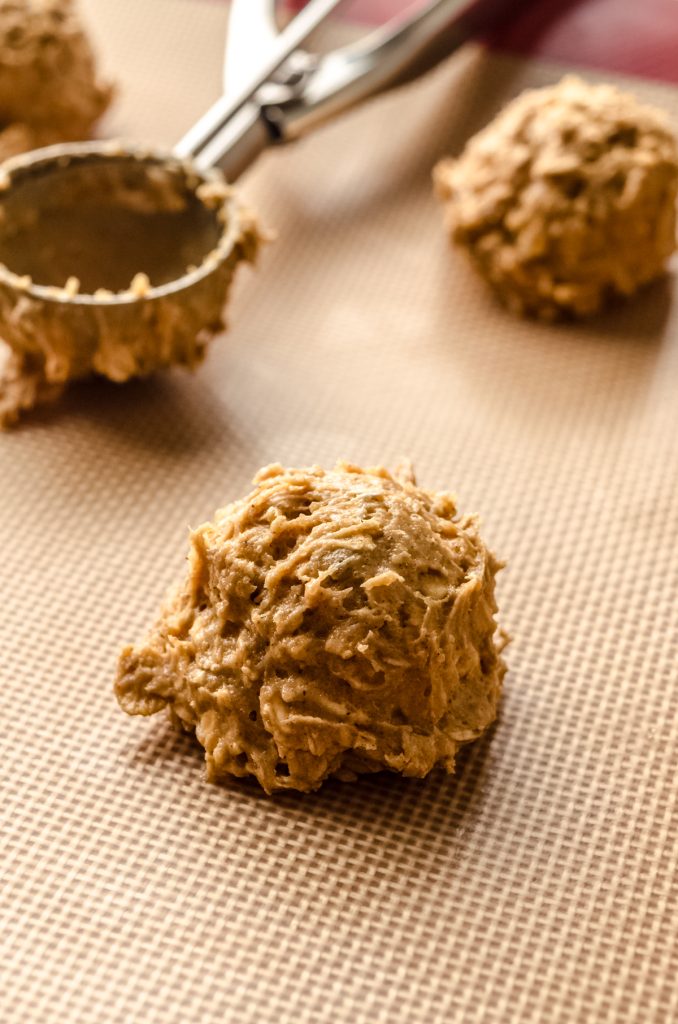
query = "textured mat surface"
x=537 y=885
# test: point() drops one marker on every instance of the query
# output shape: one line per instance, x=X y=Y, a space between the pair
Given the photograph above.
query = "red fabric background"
x=638 y=37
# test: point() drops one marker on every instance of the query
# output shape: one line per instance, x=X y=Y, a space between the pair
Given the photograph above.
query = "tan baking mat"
x=539 y=885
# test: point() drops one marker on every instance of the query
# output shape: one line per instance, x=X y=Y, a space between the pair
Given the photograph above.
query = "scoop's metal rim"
x=64 y=154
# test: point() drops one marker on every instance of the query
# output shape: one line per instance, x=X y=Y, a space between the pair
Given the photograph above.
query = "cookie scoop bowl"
x=114 y=259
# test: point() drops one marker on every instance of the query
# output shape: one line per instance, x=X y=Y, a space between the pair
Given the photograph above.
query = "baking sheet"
x=539 y=884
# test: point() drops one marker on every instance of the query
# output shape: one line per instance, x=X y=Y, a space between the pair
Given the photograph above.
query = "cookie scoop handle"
x=391 y=56
x=307 y=90
x=234 y=129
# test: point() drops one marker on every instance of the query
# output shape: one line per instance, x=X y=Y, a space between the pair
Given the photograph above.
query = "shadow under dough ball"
x=331 y=623
x=566 y=199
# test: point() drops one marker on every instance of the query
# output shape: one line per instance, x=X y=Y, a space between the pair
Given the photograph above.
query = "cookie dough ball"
x=566 y=199
x=331 y=623
x=49 y=90
x=20 y=138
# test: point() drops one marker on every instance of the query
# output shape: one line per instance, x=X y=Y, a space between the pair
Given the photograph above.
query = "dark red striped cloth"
x=637 y=37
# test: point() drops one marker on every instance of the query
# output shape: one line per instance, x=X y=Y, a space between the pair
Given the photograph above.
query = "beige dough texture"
x=330 y=623
x=49 y=90
x=566 y=199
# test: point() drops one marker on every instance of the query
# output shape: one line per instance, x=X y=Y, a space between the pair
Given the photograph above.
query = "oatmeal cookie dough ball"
x=49 y=90
x=566 y=199
x=330 y=623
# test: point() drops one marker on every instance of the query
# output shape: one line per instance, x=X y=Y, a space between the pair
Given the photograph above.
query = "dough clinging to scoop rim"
x=566 y=198
x=331 y=623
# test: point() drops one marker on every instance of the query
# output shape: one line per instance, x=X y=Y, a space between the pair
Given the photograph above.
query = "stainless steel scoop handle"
x=295 y=91
x=389 y=57
x=219 y=118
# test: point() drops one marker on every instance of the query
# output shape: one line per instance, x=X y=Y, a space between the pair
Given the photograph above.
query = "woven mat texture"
x=537 y=885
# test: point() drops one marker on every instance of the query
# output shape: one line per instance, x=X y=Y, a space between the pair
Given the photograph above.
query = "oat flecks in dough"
x=566 y=199
x=22 y=386
x=49 y=90
x=331 y=623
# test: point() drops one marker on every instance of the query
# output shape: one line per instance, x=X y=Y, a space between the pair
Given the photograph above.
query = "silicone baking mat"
x=539 y=883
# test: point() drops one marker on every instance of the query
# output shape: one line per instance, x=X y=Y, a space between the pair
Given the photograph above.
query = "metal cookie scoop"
x=117 y=260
